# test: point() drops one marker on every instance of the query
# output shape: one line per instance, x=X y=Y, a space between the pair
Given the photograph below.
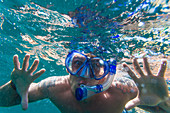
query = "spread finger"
x=130 y=72
x=146 y=66
x=137 y=67
x=16 y=62
x=162 y=68
x=25 y=62
x=38 y=74
x=34 y=66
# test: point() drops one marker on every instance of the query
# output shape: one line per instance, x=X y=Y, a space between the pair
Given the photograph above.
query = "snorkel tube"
x=84 y=92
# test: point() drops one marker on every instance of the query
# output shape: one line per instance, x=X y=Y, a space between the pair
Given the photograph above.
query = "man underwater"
x=90 y=86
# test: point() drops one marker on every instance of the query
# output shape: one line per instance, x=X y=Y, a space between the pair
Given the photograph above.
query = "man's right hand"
x=22 y=78
x=153 y=89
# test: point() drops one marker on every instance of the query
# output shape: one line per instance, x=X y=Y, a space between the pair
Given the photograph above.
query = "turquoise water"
x=126 y=28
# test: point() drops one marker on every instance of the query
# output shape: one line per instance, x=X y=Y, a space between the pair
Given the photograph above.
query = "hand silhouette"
x=22 y=78
x=152 y=89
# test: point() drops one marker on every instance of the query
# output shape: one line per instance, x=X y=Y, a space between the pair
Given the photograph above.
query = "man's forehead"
x=78 y=56
x=86 y=54
x=90 y=55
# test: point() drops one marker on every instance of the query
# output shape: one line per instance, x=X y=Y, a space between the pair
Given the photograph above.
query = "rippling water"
x=108 y=28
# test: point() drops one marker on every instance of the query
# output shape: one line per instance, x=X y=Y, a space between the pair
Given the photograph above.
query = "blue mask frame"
x=87 y=63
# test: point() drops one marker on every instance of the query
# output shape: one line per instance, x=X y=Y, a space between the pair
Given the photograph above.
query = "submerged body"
x=112 y=100
x=61 y=90
x=150 y=90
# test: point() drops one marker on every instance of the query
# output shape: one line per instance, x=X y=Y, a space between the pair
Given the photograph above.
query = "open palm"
x=22 y=78
x=152 y=89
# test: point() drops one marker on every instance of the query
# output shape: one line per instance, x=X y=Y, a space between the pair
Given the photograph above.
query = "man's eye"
x=78 y=63
x=96 y=64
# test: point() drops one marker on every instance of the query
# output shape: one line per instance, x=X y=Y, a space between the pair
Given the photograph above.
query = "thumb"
x=132 y=103
x=24 y=101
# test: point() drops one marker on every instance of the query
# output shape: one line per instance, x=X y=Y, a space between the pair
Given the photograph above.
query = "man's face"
x=75 y=81
x=97 y=65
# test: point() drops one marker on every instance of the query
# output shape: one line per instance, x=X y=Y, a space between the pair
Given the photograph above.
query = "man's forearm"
x=8 y=95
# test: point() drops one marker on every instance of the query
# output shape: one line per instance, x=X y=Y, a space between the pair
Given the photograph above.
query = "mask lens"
x=76 y=62
x=98 y=67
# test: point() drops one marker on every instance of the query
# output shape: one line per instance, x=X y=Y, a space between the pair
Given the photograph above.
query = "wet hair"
x=90 y=55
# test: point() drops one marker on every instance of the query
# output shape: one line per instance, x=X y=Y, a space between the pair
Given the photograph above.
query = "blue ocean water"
x=108 y=28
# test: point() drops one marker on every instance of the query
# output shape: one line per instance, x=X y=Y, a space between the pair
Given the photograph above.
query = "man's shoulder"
x=123 y=77
x=52 y=78
x=125 y=83
x=54 y=83
x=56 y=80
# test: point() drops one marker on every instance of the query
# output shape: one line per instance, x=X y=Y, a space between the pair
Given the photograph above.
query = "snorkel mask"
x=96 y=68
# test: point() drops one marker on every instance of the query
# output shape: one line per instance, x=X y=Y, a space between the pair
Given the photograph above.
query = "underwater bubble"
x=52 y=70
x=144 y=90
x=141 y=24
x=143 y=85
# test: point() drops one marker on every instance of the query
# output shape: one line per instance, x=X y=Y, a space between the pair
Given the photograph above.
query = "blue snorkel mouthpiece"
x=81 y=93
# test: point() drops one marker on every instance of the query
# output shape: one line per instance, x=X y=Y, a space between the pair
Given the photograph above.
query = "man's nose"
x=86 y=72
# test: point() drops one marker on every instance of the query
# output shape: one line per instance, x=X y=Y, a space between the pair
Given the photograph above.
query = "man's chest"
x=98 y=103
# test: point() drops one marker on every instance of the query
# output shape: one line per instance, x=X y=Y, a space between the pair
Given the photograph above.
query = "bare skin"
x=23 y=78
x=151 y=87
x=60 y=90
